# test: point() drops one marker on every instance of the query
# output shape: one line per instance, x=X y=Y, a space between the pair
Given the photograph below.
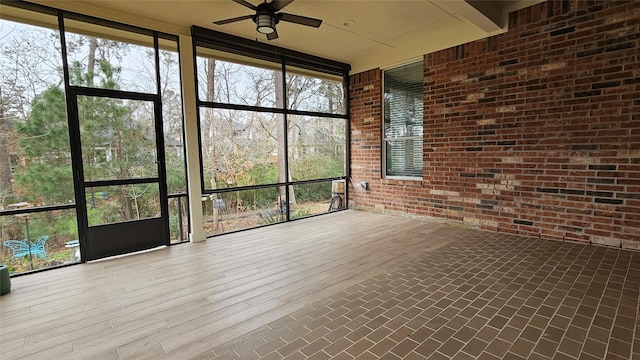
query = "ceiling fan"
x=267 y=16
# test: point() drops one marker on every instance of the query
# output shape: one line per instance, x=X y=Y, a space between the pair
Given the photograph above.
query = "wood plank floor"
x=175 y=297
x=345 y=285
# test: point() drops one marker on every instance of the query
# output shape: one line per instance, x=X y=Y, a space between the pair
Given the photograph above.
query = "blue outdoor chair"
x=24 y=248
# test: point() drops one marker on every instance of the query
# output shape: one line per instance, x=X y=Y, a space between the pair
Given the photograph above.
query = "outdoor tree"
x=46 y=178
x=117 y=139
x=28 y=66
x=170 y=93
x=30 y=63
x=236 y=147
x=172 y=122
x=7 y=139
x=239 y=146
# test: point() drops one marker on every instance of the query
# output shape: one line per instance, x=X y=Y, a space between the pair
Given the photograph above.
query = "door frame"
x=147 y=233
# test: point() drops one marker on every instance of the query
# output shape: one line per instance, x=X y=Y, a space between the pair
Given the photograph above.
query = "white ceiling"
x=383 y=33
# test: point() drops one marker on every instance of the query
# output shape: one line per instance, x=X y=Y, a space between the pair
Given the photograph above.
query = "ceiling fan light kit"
x=266 y=24
x=267 y=16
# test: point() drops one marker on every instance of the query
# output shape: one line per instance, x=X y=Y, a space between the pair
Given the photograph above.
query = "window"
x=402 y=132
x=273 y=134
x=39 y=216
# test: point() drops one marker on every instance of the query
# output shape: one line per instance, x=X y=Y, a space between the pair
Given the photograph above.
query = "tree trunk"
x=281 y=128
x=86 y=152
x=281 y=134
x=6 y=132
x=293 y=140
x=211 y=68
x=126 y=203
x=91 y=61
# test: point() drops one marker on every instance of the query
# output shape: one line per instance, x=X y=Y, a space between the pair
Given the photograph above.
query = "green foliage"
x=300 y=213
x=174 y=227
x=118 y=143
x=60 y=256
x=66 y=226
x=317 y=167
x=46 y=133
x=176 y=177
x=44 y=140
x=313 y=192
x=45 y=183
x=106 y=74
x=263 y=173
x=94 y=216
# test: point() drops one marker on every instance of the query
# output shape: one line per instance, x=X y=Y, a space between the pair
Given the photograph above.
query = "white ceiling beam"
x=486 y=15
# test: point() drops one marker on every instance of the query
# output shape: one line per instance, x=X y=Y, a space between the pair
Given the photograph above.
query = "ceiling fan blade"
x=273 y=35
x=227 y=21
x=246 y=3
x=302 y=20
x=277 y=5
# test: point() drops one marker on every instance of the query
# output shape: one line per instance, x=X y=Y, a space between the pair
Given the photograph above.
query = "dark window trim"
x=237 y=45
x=111 y=93
x=217 y=105
x=87 y=18
x=134 y=181
x=271 y=185
x=36 y=209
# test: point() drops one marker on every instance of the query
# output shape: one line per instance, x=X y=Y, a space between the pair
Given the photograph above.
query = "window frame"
x=64 y=23
x=386 y=140
x=240 y=51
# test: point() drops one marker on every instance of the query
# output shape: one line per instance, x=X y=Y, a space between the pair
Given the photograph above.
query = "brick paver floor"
x=487 y=296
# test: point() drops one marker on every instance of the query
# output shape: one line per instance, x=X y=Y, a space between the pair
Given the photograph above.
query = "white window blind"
x=402 y=133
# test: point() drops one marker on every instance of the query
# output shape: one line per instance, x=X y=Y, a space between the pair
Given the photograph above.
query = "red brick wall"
x=535 y=131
